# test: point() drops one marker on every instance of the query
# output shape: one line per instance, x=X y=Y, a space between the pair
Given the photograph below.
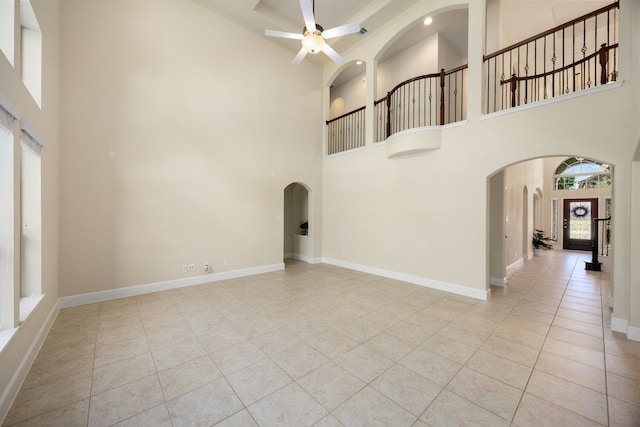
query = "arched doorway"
x=535 y=191
x=297 y=230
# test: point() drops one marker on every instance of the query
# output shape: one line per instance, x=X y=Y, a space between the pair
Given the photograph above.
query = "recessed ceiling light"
x=428 y=20
x=358 y=62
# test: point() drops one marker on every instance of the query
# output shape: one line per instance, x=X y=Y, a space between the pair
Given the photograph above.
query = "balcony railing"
x=346 y=132
x=429 y=100
x=574 y=56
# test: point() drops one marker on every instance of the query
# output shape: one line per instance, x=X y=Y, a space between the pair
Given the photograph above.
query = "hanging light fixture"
x=312 y=41
x=313 y=35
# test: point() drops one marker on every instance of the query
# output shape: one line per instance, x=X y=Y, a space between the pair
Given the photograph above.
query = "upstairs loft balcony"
x=577 y=55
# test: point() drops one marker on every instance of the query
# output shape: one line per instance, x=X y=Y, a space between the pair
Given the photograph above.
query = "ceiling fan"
x=313 y=35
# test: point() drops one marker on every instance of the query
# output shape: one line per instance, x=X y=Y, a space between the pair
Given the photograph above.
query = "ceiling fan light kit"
x=312 y=41
x=313 y=35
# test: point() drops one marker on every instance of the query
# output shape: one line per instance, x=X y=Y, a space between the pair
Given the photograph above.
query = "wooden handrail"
x=346 y=114
x=566 y=67
x=584 y=46
x=568 y=24
x=426 y=76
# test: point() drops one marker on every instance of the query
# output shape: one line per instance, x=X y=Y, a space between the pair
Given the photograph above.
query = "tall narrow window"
x=7 y=22
x=30 y=222
x=31 y=51
x=554 y=219
x=8 y=317
x=31 y=247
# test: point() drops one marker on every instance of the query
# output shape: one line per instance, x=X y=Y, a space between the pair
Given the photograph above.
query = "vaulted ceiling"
x=285 y=15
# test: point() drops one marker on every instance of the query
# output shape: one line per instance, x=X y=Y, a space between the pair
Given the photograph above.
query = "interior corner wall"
x=448 y=57
x=16 y=357
x=177 y=148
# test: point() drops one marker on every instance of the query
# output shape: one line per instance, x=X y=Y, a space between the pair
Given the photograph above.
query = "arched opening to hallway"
x=296 y=225
x=530 y=195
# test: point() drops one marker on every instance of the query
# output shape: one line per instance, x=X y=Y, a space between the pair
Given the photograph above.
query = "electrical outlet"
x=185 y=267
x=191 y=267
x=225 y=262
x=207 y=267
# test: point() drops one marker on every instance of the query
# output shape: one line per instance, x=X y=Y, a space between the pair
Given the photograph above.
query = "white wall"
x=530 y=176
x=207 y=124
x=509 y=22
x=418 y=59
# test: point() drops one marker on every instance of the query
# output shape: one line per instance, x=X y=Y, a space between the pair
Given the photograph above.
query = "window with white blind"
x=8 y=303
x=20 y=225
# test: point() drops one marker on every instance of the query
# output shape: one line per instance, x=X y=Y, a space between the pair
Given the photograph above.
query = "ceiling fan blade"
x=307 y=13
x=331 y=53
x=341 y=30
x=284 y=35
x=299 y=57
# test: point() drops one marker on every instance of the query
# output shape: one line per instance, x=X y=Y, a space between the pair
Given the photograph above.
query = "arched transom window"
x=577 y=173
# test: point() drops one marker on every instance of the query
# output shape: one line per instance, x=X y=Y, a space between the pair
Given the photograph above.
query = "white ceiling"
x=285 y=15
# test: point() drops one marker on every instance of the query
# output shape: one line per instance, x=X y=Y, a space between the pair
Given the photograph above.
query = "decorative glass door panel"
x=577 y=223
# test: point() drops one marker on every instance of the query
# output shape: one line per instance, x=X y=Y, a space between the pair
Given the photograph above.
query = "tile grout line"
x=533 y=367
x=604 y=351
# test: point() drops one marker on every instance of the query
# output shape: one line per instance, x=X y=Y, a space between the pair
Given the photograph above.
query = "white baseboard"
x=481 y=294
x=10 y=393
x=622 y=325
x=301 y=257
x=304 y=258
x=619 y=325
x=110 y=294
x=633 y=333
x=515 y=265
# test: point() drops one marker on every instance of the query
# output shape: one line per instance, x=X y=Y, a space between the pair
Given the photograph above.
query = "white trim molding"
x=515 y=265
x=619 y=325
x=622 y=325
x=481 y=294
x=633 y=333
x=555 y=99
x=10 y=393
x=110 y=294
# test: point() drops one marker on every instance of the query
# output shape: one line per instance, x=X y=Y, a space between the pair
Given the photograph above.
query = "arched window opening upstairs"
x=421 y=75
x=578 y=173
x=346 y=124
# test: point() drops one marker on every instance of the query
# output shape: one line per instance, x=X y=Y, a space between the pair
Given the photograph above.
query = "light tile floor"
x=320 y=345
